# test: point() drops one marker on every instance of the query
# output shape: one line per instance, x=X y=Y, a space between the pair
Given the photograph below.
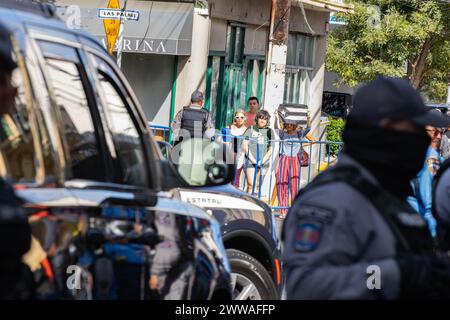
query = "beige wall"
x=316 y=19
x=192 y=70
x=255 y=12
x=217 y=41
x=256 y=40
x=255 y=37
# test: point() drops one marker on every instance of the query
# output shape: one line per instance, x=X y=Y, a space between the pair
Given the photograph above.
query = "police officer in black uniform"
x=15 y=235
x=193 y=120
x=350 y=233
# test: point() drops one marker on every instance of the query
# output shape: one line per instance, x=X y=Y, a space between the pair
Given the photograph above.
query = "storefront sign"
x=151 y=27
x=145 y=45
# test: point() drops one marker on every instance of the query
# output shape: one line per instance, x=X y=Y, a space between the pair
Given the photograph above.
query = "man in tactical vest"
x=193 y=120
x=15 y=235
x=350 y=233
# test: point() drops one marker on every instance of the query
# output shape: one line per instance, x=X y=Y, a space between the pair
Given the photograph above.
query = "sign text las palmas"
x=118 y=14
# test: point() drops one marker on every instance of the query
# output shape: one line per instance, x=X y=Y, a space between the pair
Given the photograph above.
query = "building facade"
x=155 y=41
x=174 y=49
x=237 y=63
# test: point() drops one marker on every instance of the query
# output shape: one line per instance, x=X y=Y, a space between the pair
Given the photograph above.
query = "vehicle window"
x=46 y=130
x=125 y=135
x=17 y=154
x=76 y=122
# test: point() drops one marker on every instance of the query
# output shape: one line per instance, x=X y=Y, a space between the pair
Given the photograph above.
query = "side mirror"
x=202 y=162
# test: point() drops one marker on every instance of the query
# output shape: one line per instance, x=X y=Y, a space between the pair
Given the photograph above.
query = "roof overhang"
x=325 y=5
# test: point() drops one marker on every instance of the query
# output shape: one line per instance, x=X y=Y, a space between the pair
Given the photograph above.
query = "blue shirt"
x=422 y=187
x=291 y=143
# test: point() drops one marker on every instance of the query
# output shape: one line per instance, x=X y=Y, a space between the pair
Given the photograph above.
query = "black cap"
x=7 y=62
x=394 y=99
x=197 y=96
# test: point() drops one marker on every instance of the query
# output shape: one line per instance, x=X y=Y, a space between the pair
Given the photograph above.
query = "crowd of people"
x=383 y=200
x=254 y=142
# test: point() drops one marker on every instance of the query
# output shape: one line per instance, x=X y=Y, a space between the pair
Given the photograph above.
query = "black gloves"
x=424 y=277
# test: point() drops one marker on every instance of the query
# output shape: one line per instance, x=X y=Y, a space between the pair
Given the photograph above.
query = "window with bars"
x=299 y=67
x=235 y=43
x=232 y=77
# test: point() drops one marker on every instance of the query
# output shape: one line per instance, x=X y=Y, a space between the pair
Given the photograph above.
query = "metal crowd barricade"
x=161 y=132
x=241 y=158
x=320 y=156
x=262 y=183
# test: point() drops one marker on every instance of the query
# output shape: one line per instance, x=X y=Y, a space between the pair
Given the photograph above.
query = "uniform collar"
x=346 y=160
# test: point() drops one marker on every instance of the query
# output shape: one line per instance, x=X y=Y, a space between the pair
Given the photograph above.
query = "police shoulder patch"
x=307 y=236
x=433 y=164
x=309 y=227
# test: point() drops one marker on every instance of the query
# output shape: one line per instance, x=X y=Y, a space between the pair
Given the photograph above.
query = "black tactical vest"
x=409 y=228
x=192 y=118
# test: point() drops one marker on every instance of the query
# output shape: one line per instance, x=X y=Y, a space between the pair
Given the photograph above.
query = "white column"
x=275 y=77
x=276 y=55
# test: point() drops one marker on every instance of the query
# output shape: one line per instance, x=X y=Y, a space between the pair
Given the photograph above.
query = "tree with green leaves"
x=399 y=38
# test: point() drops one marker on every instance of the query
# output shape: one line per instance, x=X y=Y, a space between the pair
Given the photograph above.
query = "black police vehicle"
x=248 y=232
x=79 y=153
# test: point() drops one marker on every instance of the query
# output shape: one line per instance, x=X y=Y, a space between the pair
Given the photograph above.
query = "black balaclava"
x=393 y=157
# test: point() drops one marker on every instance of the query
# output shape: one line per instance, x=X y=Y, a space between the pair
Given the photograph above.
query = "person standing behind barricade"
x=292 y=158
x=253 y=107
x=233 y=135
x=257 y=148
x=193 y=121
x=422 y=184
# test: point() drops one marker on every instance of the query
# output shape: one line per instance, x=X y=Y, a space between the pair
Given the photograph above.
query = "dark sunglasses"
x=434 y=132
x=239 y=117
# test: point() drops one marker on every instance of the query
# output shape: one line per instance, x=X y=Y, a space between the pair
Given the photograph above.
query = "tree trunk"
x=418 y=67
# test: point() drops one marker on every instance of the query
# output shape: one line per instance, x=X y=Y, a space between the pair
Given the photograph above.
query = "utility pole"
x=276 y=55
x=120 y=38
